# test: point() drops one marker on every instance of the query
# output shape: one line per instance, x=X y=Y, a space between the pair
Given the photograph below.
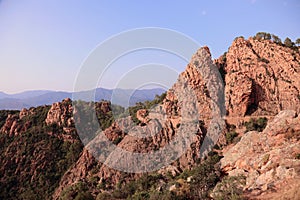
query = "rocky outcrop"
x=267 y=159
x=17 y=124
x=25 y=112
x=60 y=116
x=189 y=101
x=11 y=125
x=78 y=172
x=61 y=113
x=262 y=77
x=141 y=115
x=33 y=154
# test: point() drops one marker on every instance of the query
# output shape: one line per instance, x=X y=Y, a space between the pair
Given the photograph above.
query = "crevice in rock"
x=256 y=95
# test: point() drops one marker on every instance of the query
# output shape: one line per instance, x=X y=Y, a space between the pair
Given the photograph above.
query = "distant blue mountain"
x=3 y=95
x=29 y=94
x=123 y=97
x=24 y=95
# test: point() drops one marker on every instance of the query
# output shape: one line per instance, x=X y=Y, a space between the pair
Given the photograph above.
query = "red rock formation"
x=10 y=126
x=61 y=113
x=273 y=71
x=162 y=124
x=261 y=78
x=267 y=159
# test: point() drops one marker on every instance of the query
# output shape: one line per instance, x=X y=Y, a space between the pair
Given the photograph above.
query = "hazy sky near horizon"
x=44 y=43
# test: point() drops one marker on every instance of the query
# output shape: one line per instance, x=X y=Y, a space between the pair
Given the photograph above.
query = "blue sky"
x=44 y=43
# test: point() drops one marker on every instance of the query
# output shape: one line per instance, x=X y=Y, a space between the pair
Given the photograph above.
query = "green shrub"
x=140 y=195
x=205 y=177
x=276 y=39
x=256 y=124
x=146 y=105
x=104 y=196
x=133 y=110
x=297 y=42
x=230 y=136
x=288 y=42
x=157 y=100
x=84 y=196
x=230 y=188
x=78 y=191
x=262 y=36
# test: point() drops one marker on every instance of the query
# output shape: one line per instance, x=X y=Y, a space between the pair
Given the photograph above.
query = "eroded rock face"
x=11 y=125
x=261 y=79
x=61 y=113
x=242 y=97
x=14 y=125
x=142 y=115
x=268 y=158
x=261 y=76
x=25 y=112
x=79 y=172
x=189 y=99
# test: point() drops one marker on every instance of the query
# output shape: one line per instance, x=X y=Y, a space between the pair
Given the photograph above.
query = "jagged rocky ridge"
x=260 y=80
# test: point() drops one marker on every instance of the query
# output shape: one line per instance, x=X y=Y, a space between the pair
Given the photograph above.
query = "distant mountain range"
x=123 y=97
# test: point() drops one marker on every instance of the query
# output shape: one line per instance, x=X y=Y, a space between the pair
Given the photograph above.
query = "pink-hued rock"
x=267 y=158
x=274 y=73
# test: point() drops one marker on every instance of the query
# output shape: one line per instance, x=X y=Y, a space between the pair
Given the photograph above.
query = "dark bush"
x=262 y=36
x=230 y=188
x=288 y=42
x=256 y=124
x=297 y=42
x=276 y=39
x=230 y=136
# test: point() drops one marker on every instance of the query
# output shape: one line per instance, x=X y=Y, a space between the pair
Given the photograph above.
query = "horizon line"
x=66 y=91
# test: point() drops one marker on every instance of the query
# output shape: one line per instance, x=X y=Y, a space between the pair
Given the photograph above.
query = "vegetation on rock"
x=256 y=124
